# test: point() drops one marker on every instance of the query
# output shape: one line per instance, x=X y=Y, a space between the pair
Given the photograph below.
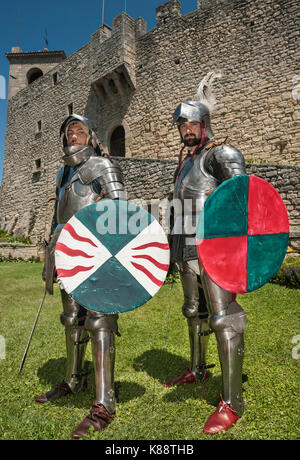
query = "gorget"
x=77 y=154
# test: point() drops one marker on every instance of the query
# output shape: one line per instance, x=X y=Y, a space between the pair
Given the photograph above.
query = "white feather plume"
x=204 y=93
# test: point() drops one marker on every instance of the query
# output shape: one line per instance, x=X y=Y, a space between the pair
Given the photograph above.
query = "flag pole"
x=102 y=12
x=18 y=40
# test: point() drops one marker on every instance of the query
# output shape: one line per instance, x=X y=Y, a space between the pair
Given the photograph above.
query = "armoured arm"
x=107 y=173
x=225 y=162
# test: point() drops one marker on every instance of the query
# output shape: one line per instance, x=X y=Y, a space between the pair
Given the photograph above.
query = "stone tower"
x=26 y=67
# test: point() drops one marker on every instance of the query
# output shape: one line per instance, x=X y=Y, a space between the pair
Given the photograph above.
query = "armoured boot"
x=102 y=329
x=231 y=351
x=75 y=380
x=229 y=327
x=76 y=342
x=228 y=321
x=198 y=328
x=199 y=335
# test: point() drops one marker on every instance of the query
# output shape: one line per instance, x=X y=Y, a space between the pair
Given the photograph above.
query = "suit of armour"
x=85 y=178
x=199 y=175
x=207 y=307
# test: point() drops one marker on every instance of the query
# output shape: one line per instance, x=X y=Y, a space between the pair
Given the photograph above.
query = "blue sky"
x=68 y=25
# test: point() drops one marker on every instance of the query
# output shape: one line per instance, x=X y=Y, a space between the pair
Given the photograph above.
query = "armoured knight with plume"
x=207 y=307
x=86 y=177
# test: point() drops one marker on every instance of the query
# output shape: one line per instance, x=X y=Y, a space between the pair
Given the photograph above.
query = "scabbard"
x=50 y=271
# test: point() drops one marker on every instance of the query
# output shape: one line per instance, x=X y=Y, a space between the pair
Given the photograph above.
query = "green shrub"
x=14 y=239
x=17 y=260
x=288 y=276
x=289 y=273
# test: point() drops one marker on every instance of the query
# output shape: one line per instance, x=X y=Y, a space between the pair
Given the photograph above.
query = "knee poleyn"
x=68 y=320
x=234 y=320
x=190 y=311
x=94 y=323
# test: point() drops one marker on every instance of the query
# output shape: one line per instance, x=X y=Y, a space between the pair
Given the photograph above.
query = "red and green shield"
x=243 y=234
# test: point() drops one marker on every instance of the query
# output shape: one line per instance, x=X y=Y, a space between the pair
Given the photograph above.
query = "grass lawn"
x=145 y=360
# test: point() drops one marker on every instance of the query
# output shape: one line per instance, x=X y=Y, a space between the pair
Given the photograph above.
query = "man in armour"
x=207 y=307
x=86 y=177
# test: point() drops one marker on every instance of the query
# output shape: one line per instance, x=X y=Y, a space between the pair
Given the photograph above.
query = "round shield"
x=112 y=257
x=242 y=234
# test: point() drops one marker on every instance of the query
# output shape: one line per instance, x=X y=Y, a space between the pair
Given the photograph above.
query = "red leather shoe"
x=186 y=377
x=221 y=420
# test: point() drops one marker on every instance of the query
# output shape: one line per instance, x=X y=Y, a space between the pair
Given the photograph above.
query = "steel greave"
x=103 y=350
x=231 y=352
x=228 y=321
x=76 y=343
x=198 y=336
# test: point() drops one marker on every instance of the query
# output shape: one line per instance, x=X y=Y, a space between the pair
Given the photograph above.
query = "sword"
x=32 y=331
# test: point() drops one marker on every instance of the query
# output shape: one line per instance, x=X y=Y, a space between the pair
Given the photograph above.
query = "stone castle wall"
x=153 y=179
x=150 y=179
x=134 y=78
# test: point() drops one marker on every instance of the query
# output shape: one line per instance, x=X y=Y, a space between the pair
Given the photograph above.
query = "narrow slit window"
x=55 y=78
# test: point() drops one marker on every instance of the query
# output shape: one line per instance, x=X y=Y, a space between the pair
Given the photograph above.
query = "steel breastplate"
x=73 y=196
x=192 y=187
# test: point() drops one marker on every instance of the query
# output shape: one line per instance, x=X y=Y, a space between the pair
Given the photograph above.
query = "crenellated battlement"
x=167 y=12
x=128 y=81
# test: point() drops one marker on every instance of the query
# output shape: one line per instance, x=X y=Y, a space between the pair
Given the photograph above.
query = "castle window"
x=117 y=142
x=54 y=78
x=38 y=163
x=70 y=109
x=39 y=126
x=33 y=74
x=36 y=177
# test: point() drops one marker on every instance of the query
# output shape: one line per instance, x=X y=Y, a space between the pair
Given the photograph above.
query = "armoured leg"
x=194 y=309
x=228 y=321
x=102 y=329
x=76 y=342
